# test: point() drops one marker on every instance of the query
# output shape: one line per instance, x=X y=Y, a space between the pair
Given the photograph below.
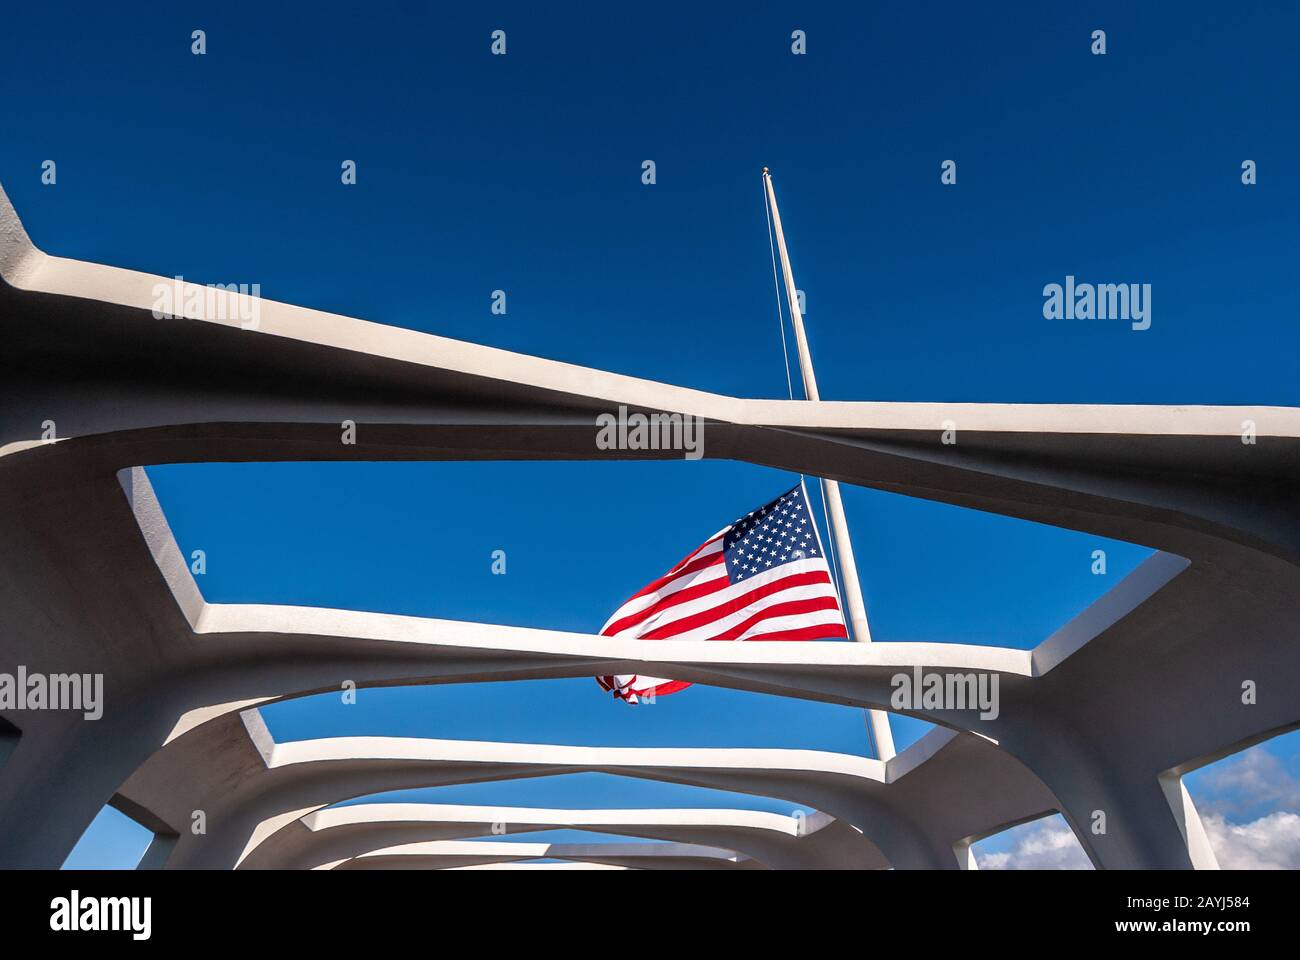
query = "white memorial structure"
x=1191 y=657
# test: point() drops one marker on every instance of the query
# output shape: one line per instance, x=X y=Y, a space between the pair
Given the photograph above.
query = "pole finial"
x=765 y=169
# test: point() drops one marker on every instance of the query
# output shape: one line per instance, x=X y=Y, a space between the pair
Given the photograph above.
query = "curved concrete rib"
x=252 y=789
x=82 y=594
x=334 y=834
x=444 y=854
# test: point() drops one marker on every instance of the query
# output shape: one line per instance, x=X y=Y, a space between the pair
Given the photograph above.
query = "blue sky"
x=523 y=173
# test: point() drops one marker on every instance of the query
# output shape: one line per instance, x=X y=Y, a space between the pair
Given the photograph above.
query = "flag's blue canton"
x=778 y=533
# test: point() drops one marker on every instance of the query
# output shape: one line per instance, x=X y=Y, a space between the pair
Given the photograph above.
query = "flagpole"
x=857 y=609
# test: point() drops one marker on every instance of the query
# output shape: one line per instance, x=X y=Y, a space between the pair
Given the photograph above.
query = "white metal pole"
x=857 y=609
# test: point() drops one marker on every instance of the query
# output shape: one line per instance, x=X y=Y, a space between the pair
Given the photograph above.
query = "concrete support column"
x=61 y=774
x=1189 y=823
x=55 y=783
x=965 y=856
x=1120 y=814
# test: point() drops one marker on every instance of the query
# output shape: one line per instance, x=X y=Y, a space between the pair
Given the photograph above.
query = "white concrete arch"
x=252 y=789
x=446 y=854
x=336 y=834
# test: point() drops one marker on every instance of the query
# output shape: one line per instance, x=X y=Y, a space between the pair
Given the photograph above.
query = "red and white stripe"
x=696 y=600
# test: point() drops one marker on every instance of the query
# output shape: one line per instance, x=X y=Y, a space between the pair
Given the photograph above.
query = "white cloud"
x=1047 y=844
x=1242 y=784
x=1254 y=783
x=1250 y=778
x=1269 y=843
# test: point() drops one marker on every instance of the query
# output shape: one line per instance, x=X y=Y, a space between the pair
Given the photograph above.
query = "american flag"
x=763 y=577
